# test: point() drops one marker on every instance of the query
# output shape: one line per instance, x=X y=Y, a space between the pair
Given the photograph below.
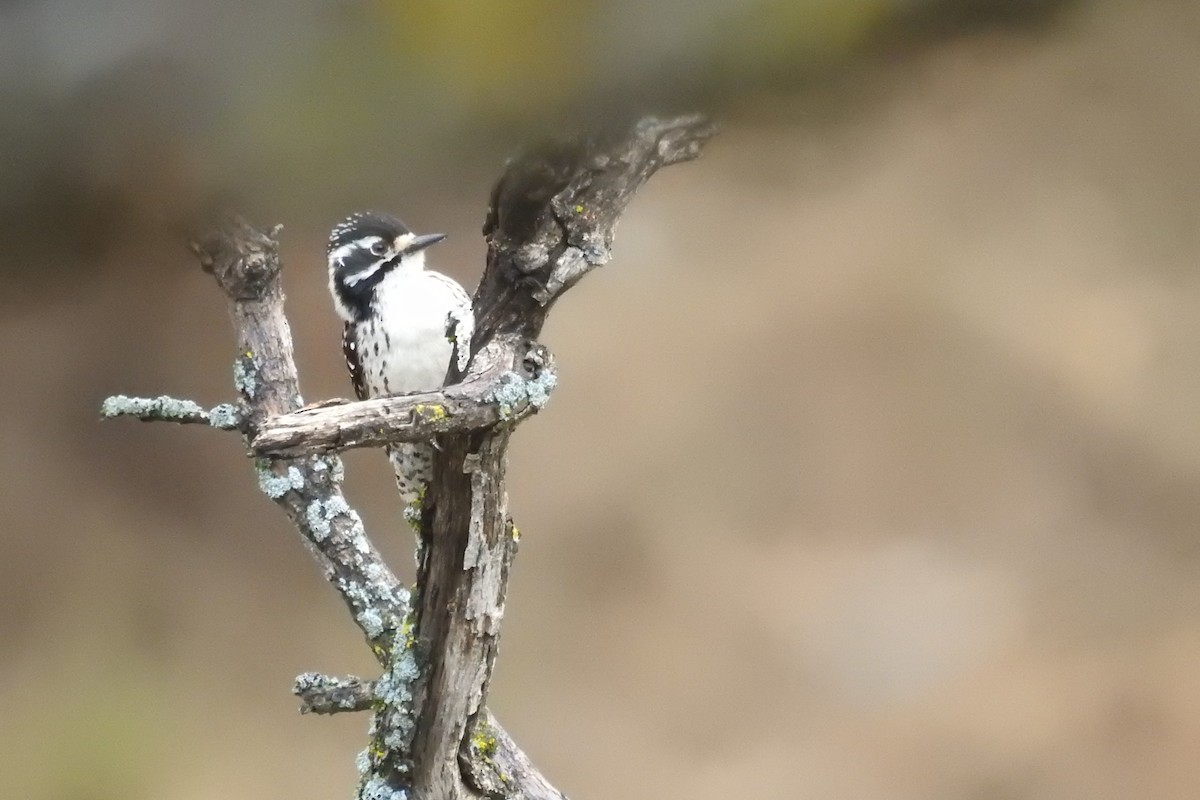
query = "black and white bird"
x=402 y=322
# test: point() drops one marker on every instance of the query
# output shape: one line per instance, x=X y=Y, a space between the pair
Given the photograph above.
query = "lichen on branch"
x=551 y=221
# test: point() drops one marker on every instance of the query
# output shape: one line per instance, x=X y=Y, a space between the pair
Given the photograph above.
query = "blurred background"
x=874 y=470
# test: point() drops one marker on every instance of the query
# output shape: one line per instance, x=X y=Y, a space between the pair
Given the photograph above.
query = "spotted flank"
x=353 y=362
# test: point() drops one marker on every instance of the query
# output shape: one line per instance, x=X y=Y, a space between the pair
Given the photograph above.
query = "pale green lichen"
x=114 y=406
x=539 y=389
x=338 y=692
x=514 y=391
x=412 y=511
x=245 y=375
x=376 y=788
x=394 y=696
x=225 y=416
x=276 y=486
x=318 y=525
x=307 y=682
x=163 y=407
x=372 y=603
x=377 y=574
x=509 y=392
x=321 y=513
x=331 y=464
x=371 y=622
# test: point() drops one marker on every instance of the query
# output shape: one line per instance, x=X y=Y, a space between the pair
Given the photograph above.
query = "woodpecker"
x=402 y=323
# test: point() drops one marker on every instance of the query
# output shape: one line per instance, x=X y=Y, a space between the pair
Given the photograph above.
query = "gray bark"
x=551 y=221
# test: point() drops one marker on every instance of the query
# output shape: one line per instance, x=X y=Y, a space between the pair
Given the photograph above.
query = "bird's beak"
x=409 y=244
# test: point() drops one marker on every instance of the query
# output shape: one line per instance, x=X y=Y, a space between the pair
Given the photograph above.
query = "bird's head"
x=363 y=249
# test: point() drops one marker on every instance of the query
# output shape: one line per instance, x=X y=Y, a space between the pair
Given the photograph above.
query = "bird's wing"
x=353 y=362
x=460 y=322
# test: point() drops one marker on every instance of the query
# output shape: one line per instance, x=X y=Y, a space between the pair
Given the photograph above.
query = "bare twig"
x=154 y=409
x=325 y=694
x=554 y=212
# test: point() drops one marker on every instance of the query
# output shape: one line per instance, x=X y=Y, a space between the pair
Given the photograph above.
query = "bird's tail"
x=413 y=465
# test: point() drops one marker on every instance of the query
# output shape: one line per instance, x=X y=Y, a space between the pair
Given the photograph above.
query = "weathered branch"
x=554 y=212
x=492 y=765
x=491 y=762
x=551 y=221
x=245 y=263
x=325 y=694
x=488 y=396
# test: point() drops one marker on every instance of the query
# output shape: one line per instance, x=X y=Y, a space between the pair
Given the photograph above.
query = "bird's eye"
x=378 y=247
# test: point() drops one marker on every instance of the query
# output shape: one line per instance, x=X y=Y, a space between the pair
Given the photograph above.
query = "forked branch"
x=550 y=222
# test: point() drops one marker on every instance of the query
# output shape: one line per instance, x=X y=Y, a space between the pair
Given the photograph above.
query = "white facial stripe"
x=362 y=275
x=338 y=256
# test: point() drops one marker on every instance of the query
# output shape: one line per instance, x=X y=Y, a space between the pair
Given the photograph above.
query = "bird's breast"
x=403 y=345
